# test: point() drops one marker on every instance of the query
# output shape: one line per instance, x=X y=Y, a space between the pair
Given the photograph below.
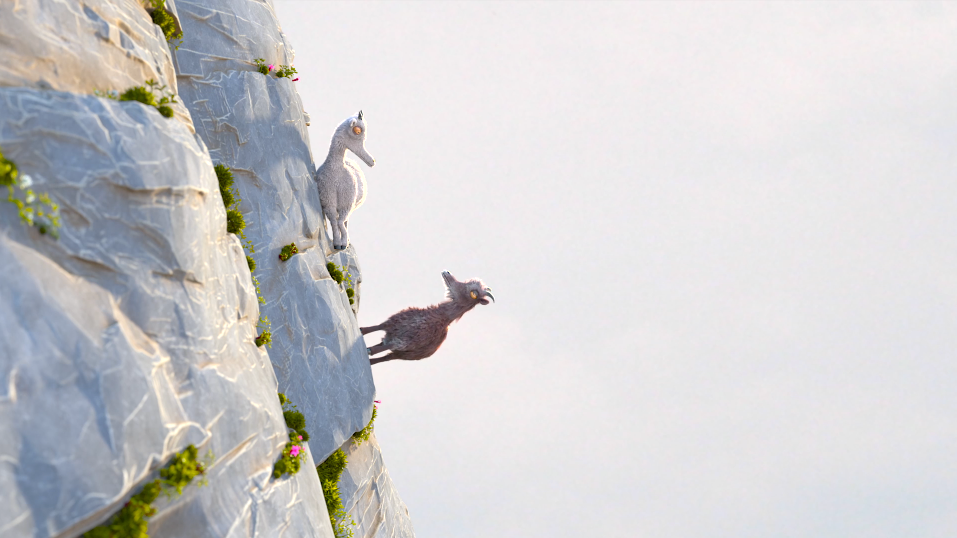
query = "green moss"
x=334 y=272
x=263 y=325
x=330 y=471
x=130 y=521
x=251 y=263
x=35 y=209
x=225 y=177
x=8 y=171
x=259 y=293
x=289 y=463
x=164 y=19
x=288 y=251
x=294 y=419
x=235 y=222
x=146 y=96
x=139 y=94
x=294 y=452
x=364 y=433
x=182 y=470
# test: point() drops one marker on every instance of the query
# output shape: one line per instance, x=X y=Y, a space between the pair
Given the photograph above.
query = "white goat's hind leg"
x=344 y=242
x=334 y=224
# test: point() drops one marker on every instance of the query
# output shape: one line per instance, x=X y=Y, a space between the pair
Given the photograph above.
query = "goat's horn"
x=360 y=114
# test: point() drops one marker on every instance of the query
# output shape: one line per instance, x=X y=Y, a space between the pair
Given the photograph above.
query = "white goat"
x=342 y=186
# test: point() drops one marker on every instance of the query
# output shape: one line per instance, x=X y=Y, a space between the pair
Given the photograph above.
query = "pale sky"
x=723 y=241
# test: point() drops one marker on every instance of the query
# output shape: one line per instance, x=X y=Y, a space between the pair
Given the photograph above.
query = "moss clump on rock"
x=288 y=251
x=364 y=433
x=164 y=19
x=330 y=471
x=334 y=272
x=146 y=96
x=294 y=452
x=235 y=222
x=130 y=521
x=35 y=209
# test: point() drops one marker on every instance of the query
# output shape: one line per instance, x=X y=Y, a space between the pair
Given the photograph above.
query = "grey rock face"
x=254 y=124
x=83 y=46
x=369 y=495
x=131 y=336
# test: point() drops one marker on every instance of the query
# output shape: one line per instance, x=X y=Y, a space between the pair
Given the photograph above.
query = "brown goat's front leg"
x=378 y=348
x=374 y=328
x=388 y=357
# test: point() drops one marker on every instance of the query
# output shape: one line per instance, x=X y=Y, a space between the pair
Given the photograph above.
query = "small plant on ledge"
x=284 y=71
x=35 y=209
x=235 y=222
x=265 y=336
x=330 y=471
x=336 y=273
x=262 y=67
x=130 y=521
x=164 y=19
x=293 y=453
x=364 y=433
x=288 y=251
x=142 y=95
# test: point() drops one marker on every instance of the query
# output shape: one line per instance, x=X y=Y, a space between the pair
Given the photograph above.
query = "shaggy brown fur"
x=416 y=333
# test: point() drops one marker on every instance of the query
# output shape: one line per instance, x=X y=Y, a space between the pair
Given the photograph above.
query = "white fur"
x=342 y=185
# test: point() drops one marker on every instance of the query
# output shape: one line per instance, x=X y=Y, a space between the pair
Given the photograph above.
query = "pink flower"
x=270 y=67
x=300 y=438
x=294 y=451
x=295 y=79
x=377 y=401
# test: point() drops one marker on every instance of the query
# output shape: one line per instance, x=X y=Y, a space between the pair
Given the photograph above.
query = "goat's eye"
x=357 y=130
x=474 y=295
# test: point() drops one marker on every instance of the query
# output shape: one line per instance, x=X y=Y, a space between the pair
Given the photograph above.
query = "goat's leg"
x=333 y=217
x=388 y=357
x=378 y=348
x=344 y=243
x=374 y=328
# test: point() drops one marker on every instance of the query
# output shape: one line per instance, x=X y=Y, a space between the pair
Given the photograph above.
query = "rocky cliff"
x=132 y=335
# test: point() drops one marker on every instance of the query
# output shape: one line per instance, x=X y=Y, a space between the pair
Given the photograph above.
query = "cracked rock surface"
x=72 y=46
x=369 y=495
x=132 y=336
x=254 y=124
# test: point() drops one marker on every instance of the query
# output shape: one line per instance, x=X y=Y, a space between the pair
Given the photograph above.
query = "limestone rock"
x=369 y=495
x=132 y=335
x=254 y=124
x=84 y=46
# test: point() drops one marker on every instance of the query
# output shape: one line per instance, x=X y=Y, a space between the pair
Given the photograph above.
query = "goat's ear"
x=353 y=123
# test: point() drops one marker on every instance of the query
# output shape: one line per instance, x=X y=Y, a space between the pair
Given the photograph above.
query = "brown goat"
x=416 y=333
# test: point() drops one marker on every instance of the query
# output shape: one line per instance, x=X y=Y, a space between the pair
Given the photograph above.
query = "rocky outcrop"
x=254 y=124
x=132 y=335
x=83 y=46
x=152 y=348
x=369 y=495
